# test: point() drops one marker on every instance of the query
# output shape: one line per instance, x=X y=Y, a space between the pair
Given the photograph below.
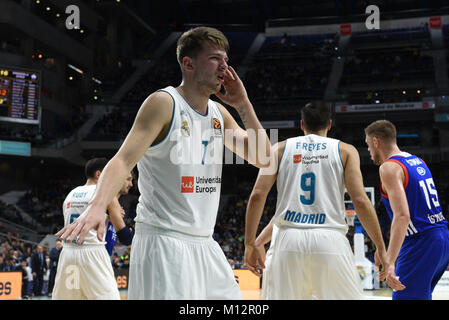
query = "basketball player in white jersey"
x=177 y=143
x=311 y=256
x=85 y=270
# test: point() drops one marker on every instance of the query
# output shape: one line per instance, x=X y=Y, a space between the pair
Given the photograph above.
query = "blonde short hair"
x=191 y=42
x=383 y=130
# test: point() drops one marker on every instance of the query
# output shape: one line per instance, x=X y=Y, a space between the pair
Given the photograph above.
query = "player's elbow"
x=258 y=195
x=402 y=217
x=361 y=203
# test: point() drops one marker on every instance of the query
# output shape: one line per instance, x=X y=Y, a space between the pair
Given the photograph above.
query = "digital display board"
x=15 y=148
x=19 y=95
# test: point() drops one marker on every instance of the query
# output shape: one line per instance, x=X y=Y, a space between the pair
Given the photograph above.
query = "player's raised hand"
x=91 y=218
x=235 y=94
x=254 y=259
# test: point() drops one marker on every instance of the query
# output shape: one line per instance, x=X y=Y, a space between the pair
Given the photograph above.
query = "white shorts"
x=312 y=264
x=166 y=265
x=265 y=276
x=85 y=272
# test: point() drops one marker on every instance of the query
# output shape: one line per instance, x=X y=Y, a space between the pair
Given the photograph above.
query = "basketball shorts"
x=265 y=276
x=311 y=264
x=421 y=262
x=169 y=265
x=85 y=272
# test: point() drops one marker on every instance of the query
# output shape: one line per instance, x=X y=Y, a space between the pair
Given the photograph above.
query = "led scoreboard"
x=19 y=95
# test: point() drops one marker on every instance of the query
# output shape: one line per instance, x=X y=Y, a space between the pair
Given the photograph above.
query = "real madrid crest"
x=185 y=129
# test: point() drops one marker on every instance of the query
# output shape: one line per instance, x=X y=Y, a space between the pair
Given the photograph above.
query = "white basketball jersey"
x=310 y=184
x=74 y=205
x=180 y=177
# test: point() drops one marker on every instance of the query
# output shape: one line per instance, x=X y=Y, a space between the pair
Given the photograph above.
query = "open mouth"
x=221 y=78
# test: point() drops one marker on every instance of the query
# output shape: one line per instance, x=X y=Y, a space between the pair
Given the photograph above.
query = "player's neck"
x=393 y=151
x=194 y=96
x=91 y=182
x=322 y=133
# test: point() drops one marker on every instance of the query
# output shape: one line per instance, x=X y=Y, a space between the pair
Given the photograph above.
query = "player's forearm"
x=398 y=231
x=110 y=182
x=258 y=143
x=254 y=211
x=114 y=210
x=265 y=236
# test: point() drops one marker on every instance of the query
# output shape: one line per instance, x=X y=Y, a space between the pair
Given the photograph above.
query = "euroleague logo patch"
x=216 y=125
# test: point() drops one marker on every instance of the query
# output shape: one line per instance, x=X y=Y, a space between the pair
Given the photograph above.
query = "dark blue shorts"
x=421 y=263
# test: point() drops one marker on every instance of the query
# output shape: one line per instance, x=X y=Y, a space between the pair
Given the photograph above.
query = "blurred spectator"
x=25 y=274
x=44 y=202
x=39 y=267
x=9 y=265
x=54 y=258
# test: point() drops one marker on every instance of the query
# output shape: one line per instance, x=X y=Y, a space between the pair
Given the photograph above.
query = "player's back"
x=75 y=204
x=310 y=184
x=422 y=196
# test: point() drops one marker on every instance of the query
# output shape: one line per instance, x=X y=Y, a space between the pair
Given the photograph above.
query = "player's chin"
x=216 y=89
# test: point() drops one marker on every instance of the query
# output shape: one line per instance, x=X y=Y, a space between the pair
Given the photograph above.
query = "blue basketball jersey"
x=422 y=196
x=111 y=235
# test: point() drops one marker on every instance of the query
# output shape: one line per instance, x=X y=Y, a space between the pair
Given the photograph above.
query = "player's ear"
x=187 y=63
x=302 y=125
x=330 y=125
x=97 y=174
x=376 y=142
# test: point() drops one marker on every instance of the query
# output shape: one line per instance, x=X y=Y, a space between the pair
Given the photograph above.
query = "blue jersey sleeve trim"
x=171 y=121
x=339 y=154
x=283 y=151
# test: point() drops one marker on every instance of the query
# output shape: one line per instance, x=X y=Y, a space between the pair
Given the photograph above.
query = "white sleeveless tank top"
x=180 y=177
x=74 y=205
x=310 y=184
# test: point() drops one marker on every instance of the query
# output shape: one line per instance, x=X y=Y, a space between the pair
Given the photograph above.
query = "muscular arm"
x=154 y=114
x=362 y=204
x=256 y=203
x=265 y=235
x=258 y=197
x=152 y=120
x=115 y=214
x=251 y=144
x=392 y=177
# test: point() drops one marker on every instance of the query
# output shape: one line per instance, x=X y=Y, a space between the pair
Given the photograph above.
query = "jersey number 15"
x=429 y=188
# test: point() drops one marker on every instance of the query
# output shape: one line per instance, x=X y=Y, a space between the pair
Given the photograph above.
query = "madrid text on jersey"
x=304 y=218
